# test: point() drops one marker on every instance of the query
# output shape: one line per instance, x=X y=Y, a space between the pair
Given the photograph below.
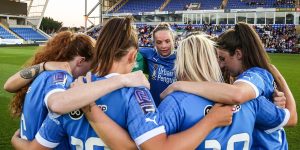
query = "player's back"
x=128 y=107
x=180 y=111
x=77 y=127
x=34 y=108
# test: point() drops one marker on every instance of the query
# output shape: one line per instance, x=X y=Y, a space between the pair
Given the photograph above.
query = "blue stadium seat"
x=134 y=6
x=29 y=34
x=5 y=34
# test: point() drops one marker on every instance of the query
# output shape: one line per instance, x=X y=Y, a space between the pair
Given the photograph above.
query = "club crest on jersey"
x=144 y=101
x=206 y=109
x=59 y=78
x=76 y=114
x=237 y=108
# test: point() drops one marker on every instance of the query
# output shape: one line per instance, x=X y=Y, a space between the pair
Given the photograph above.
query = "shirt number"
x=242 y=137
x=89 y=144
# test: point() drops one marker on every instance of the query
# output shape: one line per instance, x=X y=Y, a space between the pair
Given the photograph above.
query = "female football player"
x=160 y=60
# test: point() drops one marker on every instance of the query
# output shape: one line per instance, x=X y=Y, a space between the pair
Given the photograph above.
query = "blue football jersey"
x=161 y=71
x=263 y=83
x=35 y=108
x=132 y=108
x=180 y=111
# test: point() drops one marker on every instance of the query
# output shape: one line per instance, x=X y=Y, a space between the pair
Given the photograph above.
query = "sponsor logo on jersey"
x=144 y=100
x=103 y=107
x=206 y=109
x=237 y=108
x=55 y=120
x=151 y=120
x=153 y=76
x=76 y=114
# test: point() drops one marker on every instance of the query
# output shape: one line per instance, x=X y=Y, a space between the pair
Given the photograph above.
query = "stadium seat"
x=29 y=34
x=238 y=4
x=134 y=6
x=5 y=34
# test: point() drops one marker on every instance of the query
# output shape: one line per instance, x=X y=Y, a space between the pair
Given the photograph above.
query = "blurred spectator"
x=276 y=38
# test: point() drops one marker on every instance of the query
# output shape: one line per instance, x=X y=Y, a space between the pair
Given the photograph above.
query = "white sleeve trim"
x=284 y=122
x=51 y=92
x=44 y=142
x=150 y=134
x=251 y=84
x=52 y=114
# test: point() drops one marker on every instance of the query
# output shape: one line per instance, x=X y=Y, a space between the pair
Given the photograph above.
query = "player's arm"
x=237 y=93
x=269 y=117
x=114 y=136
x=21 y=144
x=26 y=75
x=219 y=115
x=84 y=94
x=290 y=100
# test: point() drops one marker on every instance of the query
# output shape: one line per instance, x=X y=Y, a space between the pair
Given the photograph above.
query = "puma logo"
x=151 y=120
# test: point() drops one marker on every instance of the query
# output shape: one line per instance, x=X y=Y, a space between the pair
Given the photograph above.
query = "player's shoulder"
x=182 y=96
x=257 y=70
x=147 y=51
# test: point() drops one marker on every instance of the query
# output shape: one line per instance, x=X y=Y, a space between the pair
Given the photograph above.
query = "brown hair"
x=62 y=47
x=115 y=38
x=162 y=27
x=247 y=40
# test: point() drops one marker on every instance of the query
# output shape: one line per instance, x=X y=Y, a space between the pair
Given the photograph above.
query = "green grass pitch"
x=12 y=58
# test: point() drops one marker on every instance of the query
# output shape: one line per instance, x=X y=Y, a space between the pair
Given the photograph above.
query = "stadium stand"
x=27 y=33
x=276 y=37
x=4 y=34
x=134 y=6
x=246 y=4
x=175 y=5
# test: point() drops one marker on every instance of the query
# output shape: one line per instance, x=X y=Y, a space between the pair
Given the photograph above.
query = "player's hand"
x=15 y=137
x=221 y=115
x=87 y=109
x=90 y=115
x=279 y=98
x=52 y=65
x=171 y=88
x=80 y=80
x=77 y=82
x=17 y=134
x=135 y=79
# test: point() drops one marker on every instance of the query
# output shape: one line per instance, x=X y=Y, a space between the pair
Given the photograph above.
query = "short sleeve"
x=143 y=118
